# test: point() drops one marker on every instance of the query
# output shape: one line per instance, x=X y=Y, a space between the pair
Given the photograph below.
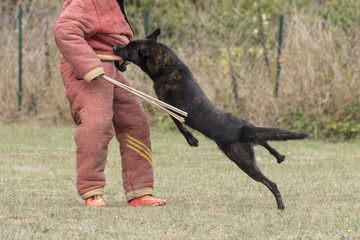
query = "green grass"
x=208 y=196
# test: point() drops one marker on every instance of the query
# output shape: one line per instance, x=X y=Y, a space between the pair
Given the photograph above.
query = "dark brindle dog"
x=175 y=85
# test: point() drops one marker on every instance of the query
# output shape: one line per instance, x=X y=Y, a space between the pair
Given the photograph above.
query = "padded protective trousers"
x=101 y=110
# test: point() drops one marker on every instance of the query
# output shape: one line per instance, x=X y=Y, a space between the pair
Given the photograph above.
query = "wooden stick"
x=160 y=104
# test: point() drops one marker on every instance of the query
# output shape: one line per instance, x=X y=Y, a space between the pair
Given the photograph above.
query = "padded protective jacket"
x=86 y=32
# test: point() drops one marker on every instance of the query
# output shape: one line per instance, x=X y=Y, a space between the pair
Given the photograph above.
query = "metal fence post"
x=20 y=57
x=278 y=64
x=146 y=22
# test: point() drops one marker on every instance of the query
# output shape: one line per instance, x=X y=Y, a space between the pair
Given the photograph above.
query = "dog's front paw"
x=121 y=67
x=192 y=141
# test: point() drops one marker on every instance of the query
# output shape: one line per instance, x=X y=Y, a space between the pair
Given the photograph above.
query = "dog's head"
x=138 y=51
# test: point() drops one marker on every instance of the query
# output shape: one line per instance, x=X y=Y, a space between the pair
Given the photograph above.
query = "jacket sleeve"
x=76 y=23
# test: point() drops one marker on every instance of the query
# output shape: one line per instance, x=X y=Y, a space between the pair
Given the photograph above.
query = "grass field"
x=208 y=196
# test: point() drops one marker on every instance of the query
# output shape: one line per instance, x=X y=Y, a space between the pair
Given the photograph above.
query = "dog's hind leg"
x=243 y=156
x=279 y=157
x=186 y=133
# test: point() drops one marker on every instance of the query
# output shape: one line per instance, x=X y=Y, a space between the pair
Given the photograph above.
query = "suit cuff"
x=91 y=193
x=138 y=193
x=94 y=74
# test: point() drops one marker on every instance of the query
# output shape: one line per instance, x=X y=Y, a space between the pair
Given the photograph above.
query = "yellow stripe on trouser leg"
x=140 y=148
x=140 y=153
x=144 y=147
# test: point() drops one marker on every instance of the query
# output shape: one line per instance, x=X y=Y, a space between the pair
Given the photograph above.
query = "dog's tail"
x=254 y=134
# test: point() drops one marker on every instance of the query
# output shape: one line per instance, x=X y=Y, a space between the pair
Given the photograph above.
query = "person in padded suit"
x=85 y=34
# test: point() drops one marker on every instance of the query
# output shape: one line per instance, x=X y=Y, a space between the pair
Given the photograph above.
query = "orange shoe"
x=95 y=201
x=147 y=200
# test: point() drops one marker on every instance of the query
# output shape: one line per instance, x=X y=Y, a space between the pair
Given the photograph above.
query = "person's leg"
x=133 y=133
x=92 y=110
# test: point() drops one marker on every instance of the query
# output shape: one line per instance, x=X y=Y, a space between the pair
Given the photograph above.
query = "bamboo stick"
x=171 y=110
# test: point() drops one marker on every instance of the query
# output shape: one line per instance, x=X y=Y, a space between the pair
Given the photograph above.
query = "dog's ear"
x=154 y=35
x=143 y=53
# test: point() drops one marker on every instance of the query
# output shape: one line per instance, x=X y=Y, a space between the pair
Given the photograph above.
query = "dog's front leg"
x=188 y=135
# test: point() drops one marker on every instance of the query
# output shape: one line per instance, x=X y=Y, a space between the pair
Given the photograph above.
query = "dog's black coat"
x=175 y=85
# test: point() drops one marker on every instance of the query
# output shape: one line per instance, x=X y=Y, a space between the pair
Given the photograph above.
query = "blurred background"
x=284 y=63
